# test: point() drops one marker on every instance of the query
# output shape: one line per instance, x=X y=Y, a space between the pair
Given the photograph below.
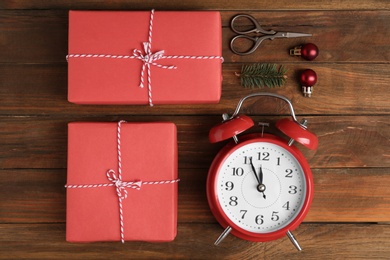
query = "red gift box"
x=122 y=57
x=122 y=182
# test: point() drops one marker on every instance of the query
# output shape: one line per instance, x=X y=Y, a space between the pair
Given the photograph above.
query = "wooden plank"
x=344 y=141
x=203 y=4
x=33 y=36
x=41 y=36
x=342 y=89
x=329 y=31
x=47 y=241
x=341 y=195
x=32 y=196
x=346 y=195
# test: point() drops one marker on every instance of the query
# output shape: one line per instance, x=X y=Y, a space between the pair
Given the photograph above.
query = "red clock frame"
x=212 y=196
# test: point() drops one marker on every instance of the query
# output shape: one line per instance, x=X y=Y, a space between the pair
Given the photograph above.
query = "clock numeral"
x=261 y=156
x=286 y=205
x=243 y=212
x=238 y=171
x=275 y=216
x=259 y=219
x=229 y=186
x=247 y=160
x=289 y=173
x=264 y=156
x=233 y=201
x=293 y=189
x=278 y=161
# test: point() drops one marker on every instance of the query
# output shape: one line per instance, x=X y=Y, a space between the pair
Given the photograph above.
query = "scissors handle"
x=257 y=29
x=257 y=41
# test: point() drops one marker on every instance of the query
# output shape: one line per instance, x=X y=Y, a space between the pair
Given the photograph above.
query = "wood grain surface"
x=349 y=112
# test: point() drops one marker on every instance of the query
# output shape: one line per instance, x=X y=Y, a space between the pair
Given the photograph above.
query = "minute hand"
x=259 y=180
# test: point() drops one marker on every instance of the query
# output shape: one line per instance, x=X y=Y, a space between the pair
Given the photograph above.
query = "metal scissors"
x=271 y=34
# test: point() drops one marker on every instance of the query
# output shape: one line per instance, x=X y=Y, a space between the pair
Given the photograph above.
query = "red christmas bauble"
x=308 y=77
x=309 y=51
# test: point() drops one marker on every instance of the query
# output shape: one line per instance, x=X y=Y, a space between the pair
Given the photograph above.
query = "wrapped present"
x=123 y=57
x=122 y=182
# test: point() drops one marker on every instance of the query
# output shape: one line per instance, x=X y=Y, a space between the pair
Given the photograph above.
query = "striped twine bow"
x=148 y=59
x=122 y=185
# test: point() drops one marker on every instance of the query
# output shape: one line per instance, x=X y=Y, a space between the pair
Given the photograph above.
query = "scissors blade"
x=292 y=35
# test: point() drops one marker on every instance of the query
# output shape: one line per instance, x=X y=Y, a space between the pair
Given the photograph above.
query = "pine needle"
x=262 y=75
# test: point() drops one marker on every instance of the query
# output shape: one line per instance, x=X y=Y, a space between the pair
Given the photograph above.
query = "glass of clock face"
x=261 y=187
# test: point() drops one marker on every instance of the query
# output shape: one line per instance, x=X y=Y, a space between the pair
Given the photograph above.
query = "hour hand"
x=261 y=186
x=260 y=176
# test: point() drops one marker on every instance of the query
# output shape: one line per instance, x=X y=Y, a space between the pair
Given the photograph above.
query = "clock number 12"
x=261 y=156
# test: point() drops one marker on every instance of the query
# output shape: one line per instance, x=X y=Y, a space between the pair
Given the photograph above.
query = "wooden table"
x=349 y=111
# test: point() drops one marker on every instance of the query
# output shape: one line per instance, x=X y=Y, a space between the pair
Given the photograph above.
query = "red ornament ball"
x=308 y=77
x=309 y=51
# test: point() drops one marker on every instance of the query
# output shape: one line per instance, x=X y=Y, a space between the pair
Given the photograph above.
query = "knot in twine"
x=148 y=59
x=122 y=185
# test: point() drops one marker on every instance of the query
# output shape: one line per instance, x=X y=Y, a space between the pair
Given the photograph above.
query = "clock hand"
x=261 y=176
x=261 y=187
x=254 y=171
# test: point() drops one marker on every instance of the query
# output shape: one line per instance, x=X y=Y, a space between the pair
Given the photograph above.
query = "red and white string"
x=149 y=58
x=116 y=181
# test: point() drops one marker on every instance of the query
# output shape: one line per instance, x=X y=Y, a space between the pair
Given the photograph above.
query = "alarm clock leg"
x=223 y=235
x=293 y=240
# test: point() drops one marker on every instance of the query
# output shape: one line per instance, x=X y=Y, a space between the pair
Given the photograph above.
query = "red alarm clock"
x=260 y=186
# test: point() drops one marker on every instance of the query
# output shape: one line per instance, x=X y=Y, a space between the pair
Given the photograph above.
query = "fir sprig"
x=262 y=74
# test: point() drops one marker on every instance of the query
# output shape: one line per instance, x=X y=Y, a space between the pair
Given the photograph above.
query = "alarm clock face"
x=261 y=187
